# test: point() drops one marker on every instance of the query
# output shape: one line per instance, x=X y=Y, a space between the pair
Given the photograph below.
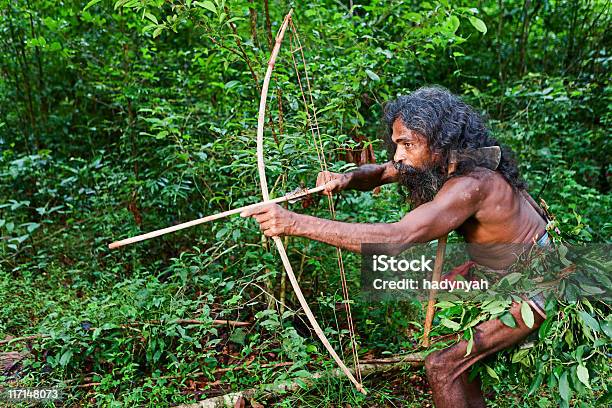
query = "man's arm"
x=370 y=176
x=458 y=200
x=364 y=178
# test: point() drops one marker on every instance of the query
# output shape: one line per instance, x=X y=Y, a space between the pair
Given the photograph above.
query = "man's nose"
x=399 y=157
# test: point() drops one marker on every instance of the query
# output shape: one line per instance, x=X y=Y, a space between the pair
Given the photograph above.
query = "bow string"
x=312 y=121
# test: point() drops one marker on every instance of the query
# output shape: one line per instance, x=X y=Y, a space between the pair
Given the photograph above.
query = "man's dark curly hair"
x=448 y=123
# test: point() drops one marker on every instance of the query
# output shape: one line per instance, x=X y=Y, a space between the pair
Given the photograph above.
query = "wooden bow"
x=264 y=191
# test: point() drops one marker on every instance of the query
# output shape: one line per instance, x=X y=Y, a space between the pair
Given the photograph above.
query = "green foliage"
x=119 y=117
x=571 y=343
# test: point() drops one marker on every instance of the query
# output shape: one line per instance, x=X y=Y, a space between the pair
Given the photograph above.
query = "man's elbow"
x=402 y=237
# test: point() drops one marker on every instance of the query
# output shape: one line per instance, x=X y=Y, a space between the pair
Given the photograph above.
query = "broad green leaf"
x=31 y=226
x=520 y=355
x=563 y=255
x=508 y=320
x=591 y=290
x=150 y=17
x=583 y=375
x=91 y=3
x=478 y=24
x=221 y=233
x=208 y=5
x=238 y=337
x=231 y=84
x=65 y=358
x=470 y=346
x=535 y=384
x=21 y=238
x=415 y=17
x=589 y=320
x=527 y=314
x=158 y=31
x=441 y=305
x=545 y=328
x=372 y=75
x=450 y=324
x=495 y=307
x=512 y=278
x=454 y=23
x=301 y=373
x=564 y=387
x=233 y=19
x=492 y=372
x=606 y=327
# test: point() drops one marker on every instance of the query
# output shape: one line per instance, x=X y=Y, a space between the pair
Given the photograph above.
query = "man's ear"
x=436 y=156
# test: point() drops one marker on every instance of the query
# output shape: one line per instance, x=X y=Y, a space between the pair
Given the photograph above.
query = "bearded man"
x=484 y=206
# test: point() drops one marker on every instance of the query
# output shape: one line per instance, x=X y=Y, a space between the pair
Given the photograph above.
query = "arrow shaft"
x=212 y=217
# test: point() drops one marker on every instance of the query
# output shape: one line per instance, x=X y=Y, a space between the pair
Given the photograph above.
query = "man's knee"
x=448 y=364
x=435 y=365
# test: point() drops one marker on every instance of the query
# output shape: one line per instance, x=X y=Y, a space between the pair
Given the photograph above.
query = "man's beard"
x=422 y=183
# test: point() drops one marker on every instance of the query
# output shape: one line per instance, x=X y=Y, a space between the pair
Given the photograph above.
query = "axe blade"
x=488 y=157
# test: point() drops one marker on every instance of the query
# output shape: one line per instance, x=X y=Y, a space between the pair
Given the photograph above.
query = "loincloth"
x=469 y=271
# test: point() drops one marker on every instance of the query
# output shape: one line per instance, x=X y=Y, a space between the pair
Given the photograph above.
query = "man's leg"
x=472 y=390
x=447 y=370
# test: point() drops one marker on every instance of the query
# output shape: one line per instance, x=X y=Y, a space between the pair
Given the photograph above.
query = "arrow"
x=289 y=197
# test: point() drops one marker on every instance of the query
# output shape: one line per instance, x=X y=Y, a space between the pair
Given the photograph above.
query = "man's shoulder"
x=466 y=188
x=475 y=187
x=476 y=178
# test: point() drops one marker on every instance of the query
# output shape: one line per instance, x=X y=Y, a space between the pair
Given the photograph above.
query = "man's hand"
x=274 y=220
x=335 y=181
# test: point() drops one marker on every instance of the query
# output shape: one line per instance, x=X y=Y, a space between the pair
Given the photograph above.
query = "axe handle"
x=435 y=277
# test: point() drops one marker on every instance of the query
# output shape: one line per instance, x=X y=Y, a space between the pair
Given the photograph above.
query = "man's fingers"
x=333 y=182
x=327 y=176
x=323 y=177
x=271 y=233
x=261 y=209
x=248 y=212
x=263 y=217
x=265 y=225
x=270 y=228
x=331 y=187
x=273 y=220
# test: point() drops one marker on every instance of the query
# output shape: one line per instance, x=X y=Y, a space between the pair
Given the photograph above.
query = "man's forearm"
x=370 y=176
x=346 y=235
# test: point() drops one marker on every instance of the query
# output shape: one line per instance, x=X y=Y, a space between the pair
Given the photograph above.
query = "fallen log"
x=9 y=360
x=367 y=367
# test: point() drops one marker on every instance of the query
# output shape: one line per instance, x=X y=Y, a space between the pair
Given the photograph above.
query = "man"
x=482 y=205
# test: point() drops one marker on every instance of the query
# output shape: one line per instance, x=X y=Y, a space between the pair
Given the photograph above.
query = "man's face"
x=411 y=147
x=419 y=168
